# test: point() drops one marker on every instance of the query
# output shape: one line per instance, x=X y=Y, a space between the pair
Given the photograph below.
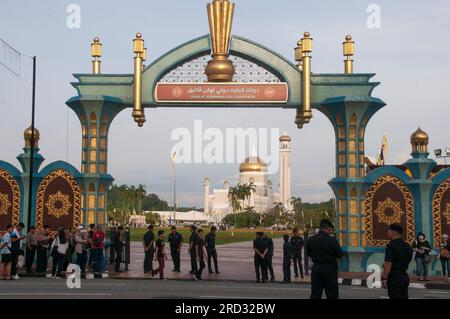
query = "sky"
x=409 y=52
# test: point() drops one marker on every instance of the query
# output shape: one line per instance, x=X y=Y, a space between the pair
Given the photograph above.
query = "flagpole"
x=33 y=109
x=174 y=186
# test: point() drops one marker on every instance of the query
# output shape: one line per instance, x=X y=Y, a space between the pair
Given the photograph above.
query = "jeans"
x=98 y=260
x=81 y=261
x=445 y=263
x=421 y=267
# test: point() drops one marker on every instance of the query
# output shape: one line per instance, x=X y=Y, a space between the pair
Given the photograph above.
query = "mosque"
x=254 y=170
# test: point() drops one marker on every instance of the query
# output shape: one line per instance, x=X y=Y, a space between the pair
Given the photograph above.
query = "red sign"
x=221 y=92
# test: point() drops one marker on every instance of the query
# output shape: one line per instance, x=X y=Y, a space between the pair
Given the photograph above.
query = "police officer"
x=210 y=241
x=324 y=251
x=269 y=257
x=261 y=249
x=148 y=243
x=193 y=249
x=176 y=241
x=118 y=247
x=396 y=261
x=297 y=244
x=287 y=256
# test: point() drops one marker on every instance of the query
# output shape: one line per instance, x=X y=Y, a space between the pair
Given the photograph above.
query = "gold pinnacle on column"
x=144 y=58
x=220 y=15
x=299 y=59
x=96 y=53
x=138 y=49
x=304 y=116
x=349 y=51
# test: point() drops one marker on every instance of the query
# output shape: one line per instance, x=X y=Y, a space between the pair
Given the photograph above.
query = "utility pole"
x=30 y=185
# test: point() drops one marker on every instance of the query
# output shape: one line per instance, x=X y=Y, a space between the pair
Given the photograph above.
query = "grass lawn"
x=222 y=237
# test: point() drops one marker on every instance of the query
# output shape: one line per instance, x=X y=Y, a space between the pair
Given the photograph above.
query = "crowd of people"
x=84 y=247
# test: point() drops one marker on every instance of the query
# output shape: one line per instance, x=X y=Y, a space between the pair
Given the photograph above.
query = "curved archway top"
x=324 y=86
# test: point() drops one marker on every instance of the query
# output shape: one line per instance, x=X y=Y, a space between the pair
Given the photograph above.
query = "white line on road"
x=50 y=294
x=258 y=287
x=232 y=297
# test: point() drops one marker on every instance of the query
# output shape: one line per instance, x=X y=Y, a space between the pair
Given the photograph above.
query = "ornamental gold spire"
x=303 y=57
x=220 y=15
x=140 y=55
x=349 y=51
x=96 y=53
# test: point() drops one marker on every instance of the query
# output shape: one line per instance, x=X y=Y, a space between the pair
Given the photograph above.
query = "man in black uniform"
x=193 y=249
x=118 y=247
x=200 y=246
x=324 y=251
x=269 y=257
x=396 y=261
x=176 y=241
x=261 y=249
x=297 y=244
x=210 y=241
x=287 y=256
x=148 y=243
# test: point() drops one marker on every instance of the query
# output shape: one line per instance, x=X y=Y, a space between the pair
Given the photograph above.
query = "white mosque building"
x=253 y=169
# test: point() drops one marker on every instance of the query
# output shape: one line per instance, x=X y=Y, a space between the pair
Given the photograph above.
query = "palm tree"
x=297 y=204
x=234 y=199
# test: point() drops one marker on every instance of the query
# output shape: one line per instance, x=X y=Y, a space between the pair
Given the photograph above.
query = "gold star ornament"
x=389 y=212
x=58 y=205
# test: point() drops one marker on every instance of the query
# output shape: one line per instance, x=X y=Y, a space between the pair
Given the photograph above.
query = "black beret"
x=396 y=227
x=160 y=232
x=326 y=223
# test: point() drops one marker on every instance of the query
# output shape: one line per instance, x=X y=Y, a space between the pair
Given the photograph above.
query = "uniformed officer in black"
x=324 y=251
x=175 y=241
x=396 y=262
x=210 y=241
x=148 y=243
x=261 y=249
x=287 y=256
x=118 y=248
x=268 y=258
x=193 y=249
x=297 y=244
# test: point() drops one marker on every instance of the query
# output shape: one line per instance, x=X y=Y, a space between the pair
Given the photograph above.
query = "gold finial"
x=349 y=51
x=27 y=137
x=140 y=51
x=144 y=58
x=419 y=141
x=299 y=54
x=220 y=15
x=96 y=53
x=304 y=115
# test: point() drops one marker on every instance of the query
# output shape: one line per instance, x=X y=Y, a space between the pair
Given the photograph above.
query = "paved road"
x=142 y=289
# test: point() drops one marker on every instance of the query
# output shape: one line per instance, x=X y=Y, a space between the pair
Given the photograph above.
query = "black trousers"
x=41 y=261
x=287 y=269
x=268 y=262
x=118 y=257
x=175 y=258
x=297 y=259
x=202 y=266
x=29 y=258
x=194 y=265
x=15 y=258
x=260 y=268
x=324 y=277
x=148 y=260
x=212 y=253
x=397 y=285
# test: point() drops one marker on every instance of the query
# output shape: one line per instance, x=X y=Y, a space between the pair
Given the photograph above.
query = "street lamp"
x=440 y=154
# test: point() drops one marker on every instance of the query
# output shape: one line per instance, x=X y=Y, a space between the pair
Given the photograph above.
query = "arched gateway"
x=241 y=73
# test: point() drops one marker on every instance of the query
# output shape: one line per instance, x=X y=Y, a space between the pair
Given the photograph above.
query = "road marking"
x=258 y=287
x=50 y=294
x=437 y=292
x=233 y=297
x=62 y=282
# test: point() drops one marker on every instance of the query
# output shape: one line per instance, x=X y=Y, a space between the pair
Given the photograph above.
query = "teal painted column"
x=96 y=114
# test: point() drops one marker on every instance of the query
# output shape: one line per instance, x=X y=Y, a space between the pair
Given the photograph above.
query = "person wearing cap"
x=325 y=251
x=148 y=243
x=175 y=241
x=444 y=256
x=81 y=242
x=160 y=255
x=193 y=249
x=398 y=255
x=30 y=249
x=261 y=249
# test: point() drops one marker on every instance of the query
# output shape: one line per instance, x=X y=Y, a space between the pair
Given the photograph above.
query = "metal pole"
x=30 y=186
x=174 y=191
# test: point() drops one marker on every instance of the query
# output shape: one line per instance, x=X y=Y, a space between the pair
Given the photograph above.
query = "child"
x=287 y=255
x=160 y=255
x=5 y=250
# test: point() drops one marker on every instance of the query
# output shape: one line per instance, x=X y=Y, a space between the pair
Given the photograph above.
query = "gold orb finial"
x=419 y=141
x=27 y=137
x=96 y=40
x=348 y=37
x=138 y=35
x=306 y=34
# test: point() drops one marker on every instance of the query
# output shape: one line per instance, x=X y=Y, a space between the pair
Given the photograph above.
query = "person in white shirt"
x=58 y=252
x=5 y=251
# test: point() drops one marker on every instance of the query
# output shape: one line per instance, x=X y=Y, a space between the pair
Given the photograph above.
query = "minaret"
x=285 y=171
x=206 y=199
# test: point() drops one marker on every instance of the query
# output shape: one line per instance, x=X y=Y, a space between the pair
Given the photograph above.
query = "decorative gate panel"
x=58 y=201
x=9 y=200
x=388 y=201
x=441 y=211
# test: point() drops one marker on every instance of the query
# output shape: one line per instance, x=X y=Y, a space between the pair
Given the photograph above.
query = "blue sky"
x=409 y=53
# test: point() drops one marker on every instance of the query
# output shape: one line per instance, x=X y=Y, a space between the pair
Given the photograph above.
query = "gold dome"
x=27 y=137
x=253 y=164
x=419 y=141
x=285 y=138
